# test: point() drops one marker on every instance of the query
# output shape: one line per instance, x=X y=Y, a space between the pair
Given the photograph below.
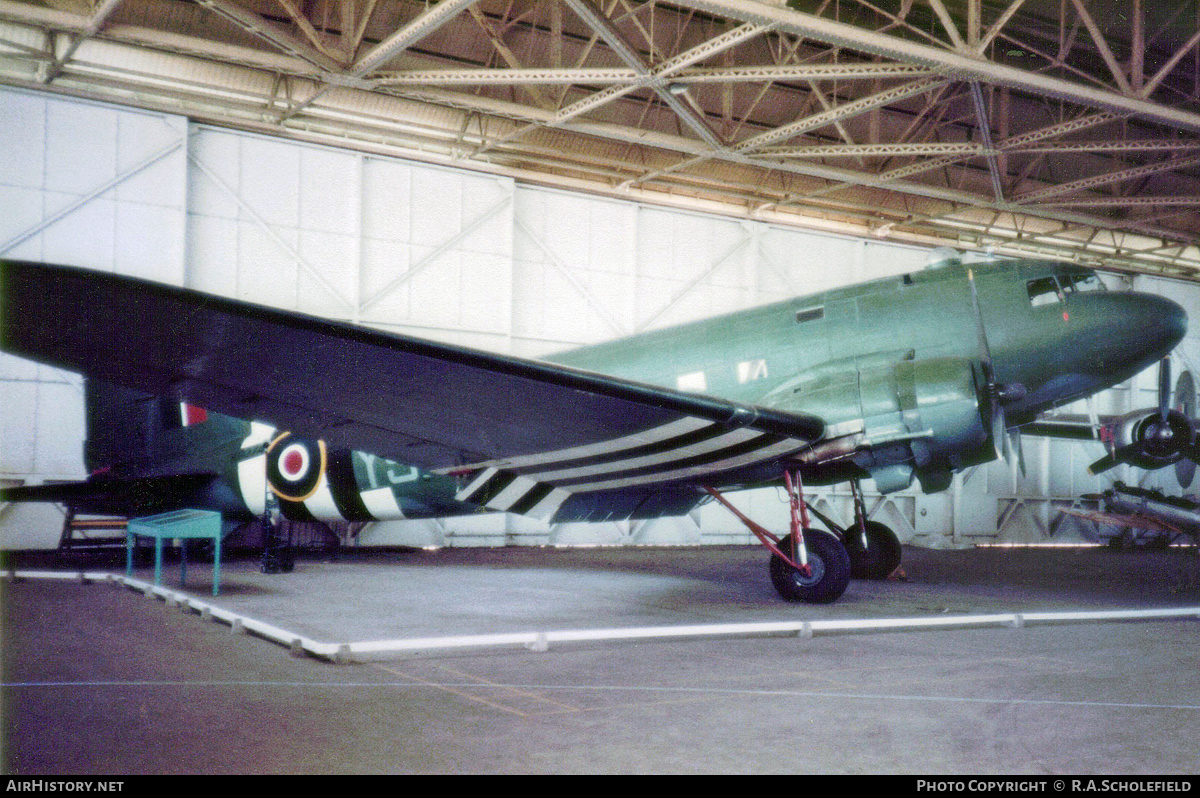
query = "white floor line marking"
x=541 y=641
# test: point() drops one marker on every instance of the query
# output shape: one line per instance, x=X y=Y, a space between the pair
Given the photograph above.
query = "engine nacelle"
x=913 y=417
x=1150 y=441
x=948 y=397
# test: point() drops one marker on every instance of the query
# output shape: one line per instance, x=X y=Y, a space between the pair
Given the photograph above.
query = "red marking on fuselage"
x=193 y=415
x=293 y=462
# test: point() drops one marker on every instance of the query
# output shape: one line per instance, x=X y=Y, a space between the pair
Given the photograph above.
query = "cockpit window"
x=1087 y=282
x=1044 y=291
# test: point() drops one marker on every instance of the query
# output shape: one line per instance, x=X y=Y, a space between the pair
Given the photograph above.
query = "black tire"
x=279 y=560
x=829 y=565
x=881 y=555
x=1121 y=541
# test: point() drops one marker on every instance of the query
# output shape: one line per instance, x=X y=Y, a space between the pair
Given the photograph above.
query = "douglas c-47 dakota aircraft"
x=907 y=377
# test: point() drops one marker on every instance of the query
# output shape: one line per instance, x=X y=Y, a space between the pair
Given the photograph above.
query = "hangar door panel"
x=90 y=185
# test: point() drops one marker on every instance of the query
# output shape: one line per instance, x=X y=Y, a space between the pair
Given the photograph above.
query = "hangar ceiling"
x=1055 y=128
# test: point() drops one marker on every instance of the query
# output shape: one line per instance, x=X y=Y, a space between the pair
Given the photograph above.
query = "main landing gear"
x=814 y=565
x=277 y=556
x=874 y=549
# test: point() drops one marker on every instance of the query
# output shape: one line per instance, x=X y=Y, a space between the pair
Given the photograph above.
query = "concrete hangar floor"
x=106 y=677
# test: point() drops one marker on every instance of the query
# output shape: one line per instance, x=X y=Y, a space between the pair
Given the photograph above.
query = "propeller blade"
x=1114 y=458
x=1014 y=437
x=1164 y=387
x=984 y=349
x=1185 y=472
x=1093 y=418
x=1185 y=403
x=997 y=425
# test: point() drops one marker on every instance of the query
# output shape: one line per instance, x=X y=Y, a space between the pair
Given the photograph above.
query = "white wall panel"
x=18 y=420
x=879 y=259
x=798 y=263
x=692 y=271
x=582 y=252
x=23 y=120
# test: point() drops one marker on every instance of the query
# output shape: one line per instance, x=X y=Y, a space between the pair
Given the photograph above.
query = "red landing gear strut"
x=807 y=565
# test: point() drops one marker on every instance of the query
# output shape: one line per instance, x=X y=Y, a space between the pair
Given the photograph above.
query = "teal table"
x=178 y=524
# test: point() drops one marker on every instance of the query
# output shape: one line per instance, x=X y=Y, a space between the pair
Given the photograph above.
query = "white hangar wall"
x=454 y=255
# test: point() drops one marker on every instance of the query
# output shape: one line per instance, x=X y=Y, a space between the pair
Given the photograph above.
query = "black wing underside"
x=521 y=432
x=1067 y=428
x=127 y=497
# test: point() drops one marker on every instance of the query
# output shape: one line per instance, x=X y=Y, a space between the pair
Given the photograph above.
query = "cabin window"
x=751 y=370
x=1044 y=291
x=693 y=381
x=1087 y=282
x=810 y=314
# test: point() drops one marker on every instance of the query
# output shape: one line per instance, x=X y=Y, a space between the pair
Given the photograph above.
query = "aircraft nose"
x=1157 y=323
x=1124 y=332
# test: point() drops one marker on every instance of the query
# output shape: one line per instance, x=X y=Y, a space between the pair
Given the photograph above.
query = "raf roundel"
x=295 y=467
x=294 y=462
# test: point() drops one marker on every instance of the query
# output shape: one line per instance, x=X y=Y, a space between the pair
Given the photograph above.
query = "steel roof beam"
x=389 y=48
x=1110 y=178
x=999 y=24
x=1014 y=143
x=410 y=34
x=269 y=32
x=630 y=76
x=964 y=149
x=1117 y=145
x=953 y=64
x=1125 y=202
x=985 y=135
x=595 y=20
x=843 y=111
x=1106 y=52
x=99 y=17
x=664 y=70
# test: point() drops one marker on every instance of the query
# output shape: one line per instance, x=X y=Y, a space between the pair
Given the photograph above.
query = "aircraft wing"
x=1138 y=521
x=1069 y=427
x=508 y=423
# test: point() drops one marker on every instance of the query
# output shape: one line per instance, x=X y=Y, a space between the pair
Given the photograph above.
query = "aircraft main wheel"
x=829 y=568
x=881 y=555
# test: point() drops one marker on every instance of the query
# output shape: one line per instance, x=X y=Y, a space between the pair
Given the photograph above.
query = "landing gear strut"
x=277 y=556
x=873 y=548
x=806 y=565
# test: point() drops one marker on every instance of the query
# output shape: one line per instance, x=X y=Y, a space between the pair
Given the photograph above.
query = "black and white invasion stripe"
x=538 y=484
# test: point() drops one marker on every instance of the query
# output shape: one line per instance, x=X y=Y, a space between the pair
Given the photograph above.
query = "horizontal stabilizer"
x=128 y=497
